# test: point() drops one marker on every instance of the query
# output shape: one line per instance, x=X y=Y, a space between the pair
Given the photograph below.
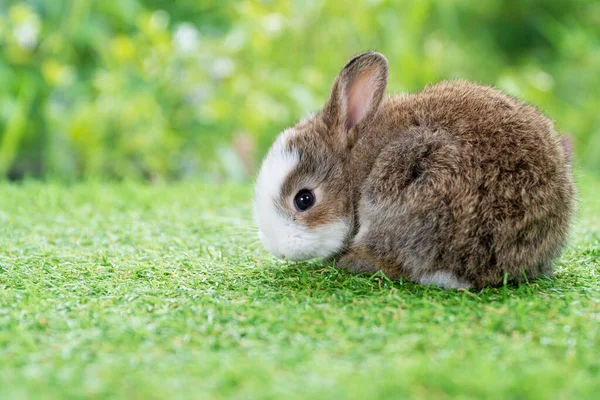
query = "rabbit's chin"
x=290 y=241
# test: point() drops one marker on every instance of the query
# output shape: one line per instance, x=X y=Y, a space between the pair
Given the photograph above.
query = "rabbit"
x=459 y=185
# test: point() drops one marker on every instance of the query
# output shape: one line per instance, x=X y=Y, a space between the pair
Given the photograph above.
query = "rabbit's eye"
x=304 y=200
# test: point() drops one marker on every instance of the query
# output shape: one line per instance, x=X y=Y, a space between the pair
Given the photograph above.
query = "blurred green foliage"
x=157 y=89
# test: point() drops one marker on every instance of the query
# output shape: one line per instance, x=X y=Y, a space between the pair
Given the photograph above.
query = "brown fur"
x=459 y=177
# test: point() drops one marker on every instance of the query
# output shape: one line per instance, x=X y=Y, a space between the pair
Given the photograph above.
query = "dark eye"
x=304 y=200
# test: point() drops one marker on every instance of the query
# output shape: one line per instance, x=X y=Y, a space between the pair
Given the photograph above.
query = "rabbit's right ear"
x=356 y=93
x=567 y=145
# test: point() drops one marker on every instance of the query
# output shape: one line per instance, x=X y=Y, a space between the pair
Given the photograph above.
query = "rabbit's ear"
x=567 y=145
x=357 y=92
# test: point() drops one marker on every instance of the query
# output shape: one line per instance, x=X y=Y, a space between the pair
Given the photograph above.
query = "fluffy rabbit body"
x=459 y=185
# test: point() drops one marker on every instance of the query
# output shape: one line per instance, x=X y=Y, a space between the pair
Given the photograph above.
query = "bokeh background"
x=161 y=90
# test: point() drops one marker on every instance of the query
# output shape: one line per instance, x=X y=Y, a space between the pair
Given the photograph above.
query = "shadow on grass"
x=316 y=279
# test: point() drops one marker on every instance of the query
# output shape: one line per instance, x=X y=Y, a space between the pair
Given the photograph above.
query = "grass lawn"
x=133 y=291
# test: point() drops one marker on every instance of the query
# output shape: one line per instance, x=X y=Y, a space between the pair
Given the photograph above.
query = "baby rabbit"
x=459 y=185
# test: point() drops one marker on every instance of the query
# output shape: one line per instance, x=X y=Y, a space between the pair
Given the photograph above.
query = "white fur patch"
x=276 y=166
x=443 y=279
x=295 y=242
x=365 y=225
x=280 y=233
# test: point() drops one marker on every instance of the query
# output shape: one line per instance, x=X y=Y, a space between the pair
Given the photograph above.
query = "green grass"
x=133 y=291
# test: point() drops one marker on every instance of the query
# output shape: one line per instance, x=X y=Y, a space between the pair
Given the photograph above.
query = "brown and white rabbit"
x=459 y=185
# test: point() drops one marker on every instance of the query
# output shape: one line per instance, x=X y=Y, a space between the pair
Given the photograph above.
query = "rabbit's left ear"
x=357 y=92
